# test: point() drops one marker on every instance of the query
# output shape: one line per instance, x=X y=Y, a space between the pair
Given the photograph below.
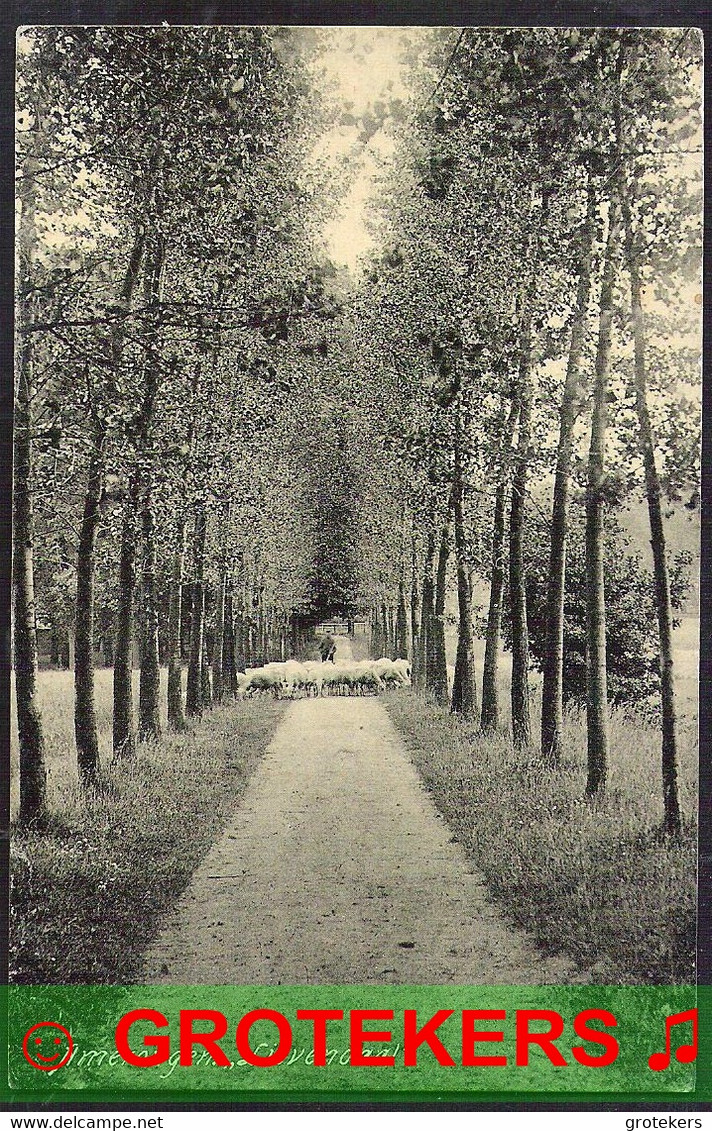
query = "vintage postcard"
x=356 y=564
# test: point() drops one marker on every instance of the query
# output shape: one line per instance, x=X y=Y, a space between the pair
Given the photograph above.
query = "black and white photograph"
x=356 y=505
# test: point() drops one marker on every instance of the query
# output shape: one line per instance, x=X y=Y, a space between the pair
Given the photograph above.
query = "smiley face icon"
x=47 y=1045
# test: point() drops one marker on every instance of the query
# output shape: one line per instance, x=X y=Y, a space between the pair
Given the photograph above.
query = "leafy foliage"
x=632 y=653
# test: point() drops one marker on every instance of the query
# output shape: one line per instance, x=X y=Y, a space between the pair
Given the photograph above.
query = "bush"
x=632 y=654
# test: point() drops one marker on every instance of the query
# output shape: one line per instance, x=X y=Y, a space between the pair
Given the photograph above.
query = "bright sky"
x=362 y=66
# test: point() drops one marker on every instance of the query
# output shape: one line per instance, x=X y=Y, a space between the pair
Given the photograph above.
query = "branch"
x=448 y=65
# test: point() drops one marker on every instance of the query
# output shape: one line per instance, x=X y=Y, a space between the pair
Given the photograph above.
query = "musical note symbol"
x=684 y=1053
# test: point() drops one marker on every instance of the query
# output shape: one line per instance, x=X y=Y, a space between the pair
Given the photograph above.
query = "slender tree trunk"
x=385 y=621
x=386 y=628
x=436 y=636
x=248 y=638
x=284 y=637
x=552 y=691
x=490 y=716
x=663 y=603
x=124 y=739
x=33 y=773
x=464 y=689
x=176 y=717
x=401 y=641
x=240 y=660
x=149 y=719
x=375 y=633
x=85 y=726
x=194 y=697
x=521 y=713
x=219 y=639
x=414 y=612
x=520 y=698
x=206 y=691
x=596 y=675
x=427 y=611
x=262 y=641
x=228 y=651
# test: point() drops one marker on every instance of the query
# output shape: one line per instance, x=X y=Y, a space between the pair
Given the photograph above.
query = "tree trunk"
x=596 y=676
x=427 y=610
x=149 y=719
x=124 y=740
x=414 y=611
x=85 y=726
x=206 y=692
x=436 y=676
x=176 y=717
x=229 y=674
x=219 y=639
x=401 y=641
x=521 y=712
x=552 y=690
x=671 y=803
x=240 y=659
x=490 y=716
x=194 y=697
x=248 y=637
x=386 y=627
x=390 y=633
x=376 y=634
x=464 y=688
x=257 y=655
x=33 y=773
x=284 y=637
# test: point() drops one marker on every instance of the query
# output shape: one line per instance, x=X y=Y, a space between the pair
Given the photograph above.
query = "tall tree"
x=33 y=774
x=464 y=689
x=571 y=402
x=597 y=686
x=490 y=716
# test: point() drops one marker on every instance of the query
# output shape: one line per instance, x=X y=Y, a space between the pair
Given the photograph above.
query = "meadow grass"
x=89 y=894
x=593 y=880
x=55 y=696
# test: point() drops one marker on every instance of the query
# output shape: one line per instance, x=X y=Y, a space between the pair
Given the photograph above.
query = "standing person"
x=327 y=647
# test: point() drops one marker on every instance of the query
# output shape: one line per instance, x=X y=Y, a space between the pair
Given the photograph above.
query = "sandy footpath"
x=336 y=868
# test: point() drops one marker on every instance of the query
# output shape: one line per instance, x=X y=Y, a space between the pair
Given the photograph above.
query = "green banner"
x=384 y=1042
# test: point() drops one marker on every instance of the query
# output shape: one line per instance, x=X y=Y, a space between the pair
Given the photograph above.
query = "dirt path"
x=336 y=868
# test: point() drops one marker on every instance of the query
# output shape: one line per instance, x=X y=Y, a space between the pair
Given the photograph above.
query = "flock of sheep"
x=352 y=677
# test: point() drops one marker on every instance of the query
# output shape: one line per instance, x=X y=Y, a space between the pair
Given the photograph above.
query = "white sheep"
x=405 y=668
x=393 y=672
x=314 y=677
x=296 y=677
x=331 y=677
x=259 y=679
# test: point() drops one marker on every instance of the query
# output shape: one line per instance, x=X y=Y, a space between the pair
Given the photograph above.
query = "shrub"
x=632 y=654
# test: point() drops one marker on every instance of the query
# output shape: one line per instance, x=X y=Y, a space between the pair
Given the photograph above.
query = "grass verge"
x=595 y=881
x=89 y=894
